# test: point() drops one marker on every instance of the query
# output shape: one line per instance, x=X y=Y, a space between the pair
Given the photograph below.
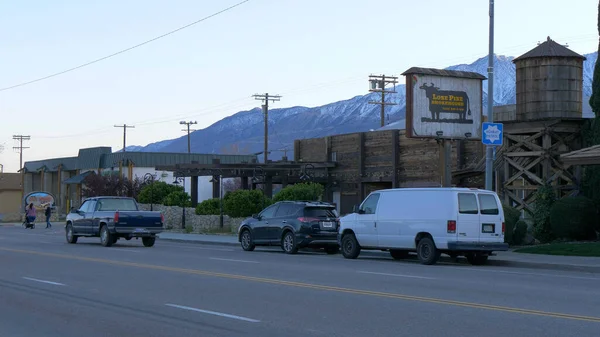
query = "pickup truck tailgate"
x=139 y=219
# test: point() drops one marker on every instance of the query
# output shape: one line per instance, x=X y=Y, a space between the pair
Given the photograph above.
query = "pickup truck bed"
x=113 y=218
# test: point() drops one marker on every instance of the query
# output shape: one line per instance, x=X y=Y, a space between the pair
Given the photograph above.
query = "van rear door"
x=490 y=217
x=467 y=220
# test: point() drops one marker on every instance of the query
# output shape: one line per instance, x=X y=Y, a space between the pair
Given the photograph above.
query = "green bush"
x=574 y=218
x=520 y=232
x=303 y=191
x=244 y=203
x=209 y=207
x=157 y=192
x=511 y=217
x=545 y=198
x=177 y=198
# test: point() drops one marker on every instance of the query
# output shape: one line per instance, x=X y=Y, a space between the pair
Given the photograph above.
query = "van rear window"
x=467 y=203
x=488 y=203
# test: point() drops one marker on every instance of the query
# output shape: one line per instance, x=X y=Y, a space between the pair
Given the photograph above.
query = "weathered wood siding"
x=378 y=153
x=418 y=161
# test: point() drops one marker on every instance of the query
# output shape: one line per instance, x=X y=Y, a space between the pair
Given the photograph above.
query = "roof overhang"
x=78 y=179
x=587 y=156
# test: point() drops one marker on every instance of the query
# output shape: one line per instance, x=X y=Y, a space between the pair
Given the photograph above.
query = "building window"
x=333 y=156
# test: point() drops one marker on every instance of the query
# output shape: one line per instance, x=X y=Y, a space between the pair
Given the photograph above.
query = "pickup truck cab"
x=428 y=221
x=112 y=218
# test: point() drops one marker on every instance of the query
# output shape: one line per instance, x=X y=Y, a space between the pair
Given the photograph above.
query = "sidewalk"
x=502 y=259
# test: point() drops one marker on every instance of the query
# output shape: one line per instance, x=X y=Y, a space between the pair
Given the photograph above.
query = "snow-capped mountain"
x=243 y=132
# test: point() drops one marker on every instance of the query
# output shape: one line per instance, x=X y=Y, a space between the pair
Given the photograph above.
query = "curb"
x=203 y=242
x=448 y=261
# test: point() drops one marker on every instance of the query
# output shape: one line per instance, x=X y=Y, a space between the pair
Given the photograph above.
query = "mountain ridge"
x=243 y=132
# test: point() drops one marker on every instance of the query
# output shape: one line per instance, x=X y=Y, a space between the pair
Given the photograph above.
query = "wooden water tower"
x=548 y=119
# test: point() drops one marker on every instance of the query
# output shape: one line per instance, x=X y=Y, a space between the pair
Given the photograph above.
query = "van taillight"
x=503 y=228
x=116 y=217
x=451 y=226
x=162 y=218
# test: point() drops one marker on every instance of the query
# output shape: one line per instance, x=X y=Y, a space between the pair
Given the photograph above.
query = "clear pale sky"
x=312 y=52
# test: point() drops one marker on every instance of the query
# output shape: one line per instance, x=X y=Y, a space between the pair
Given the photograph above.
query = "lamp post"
x=149 y=179
x=177 y=181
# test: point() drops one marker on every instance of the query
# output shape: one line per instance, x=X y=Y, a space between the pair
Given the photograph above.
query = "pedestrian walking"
x=31 y=213
x=48 y=213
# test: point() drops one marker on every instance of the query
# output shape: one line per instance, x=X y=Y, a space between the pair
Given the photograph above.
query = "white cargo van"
x=429 y=221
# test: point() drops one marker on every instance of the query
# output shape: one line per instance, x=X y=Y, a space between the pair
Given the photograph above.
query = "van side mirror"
x=356 y=209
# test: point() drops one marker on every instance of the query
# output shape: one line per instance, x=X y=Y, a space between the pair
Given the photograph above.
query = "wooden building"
x=374 y=160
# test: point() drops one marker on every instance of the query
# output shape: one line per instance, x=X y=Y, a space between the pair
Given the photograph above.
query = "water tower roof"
x=549 y=49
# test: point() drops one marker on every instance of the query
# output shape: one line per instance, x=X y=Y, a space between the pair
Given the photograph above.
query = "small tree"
x=231 y=185
x=244 y=203
x=110 y=185
x=545 y=198
x=209 y=207
x=157 y=191
x=574 y=218
x=303 y=191
x=177 y=198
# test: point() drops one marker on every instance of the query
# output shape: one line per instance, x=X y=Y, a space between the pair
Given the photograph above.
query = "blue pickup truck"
x=112 y=218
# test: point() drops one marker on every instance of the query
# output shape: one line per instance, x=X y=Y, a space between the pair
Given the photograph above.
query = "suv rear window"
x=320 y=212
x=488 y=204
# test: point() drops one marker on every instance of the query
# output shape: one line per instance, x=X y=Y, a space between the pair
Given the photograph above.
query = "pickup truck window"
x=116 y=205
x=467 y=203
x=85 y=206
x=488 y=203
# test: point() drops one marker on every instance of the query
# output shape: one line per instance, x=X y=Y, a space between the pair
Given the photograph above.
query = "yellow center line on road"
x=313 y=286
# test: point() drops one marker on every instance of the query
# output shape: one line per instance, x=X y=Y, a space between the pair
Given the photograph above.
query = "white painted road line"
x=124 y=250
x=213 y=313
x=43 y=281
x=397 y=275
x=232 y=260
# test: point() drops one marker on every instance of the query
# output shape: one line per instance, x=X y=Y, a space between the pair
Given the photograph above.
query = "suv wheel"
x=246 y=241
x=427 y=252
x=288 y=243
x=350 y=246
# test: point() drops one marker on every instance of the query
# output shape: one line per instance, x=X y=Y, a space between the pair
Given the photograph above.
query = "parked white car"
x=429 y=221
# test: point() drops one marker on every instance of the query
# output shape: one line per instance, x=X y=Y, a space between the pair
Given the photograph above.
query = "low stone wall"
x=20 y=217
x=194 y=223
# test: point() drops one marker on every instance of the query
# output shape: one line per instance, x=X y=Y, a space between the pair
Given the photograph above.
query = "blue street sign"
x=492 y=134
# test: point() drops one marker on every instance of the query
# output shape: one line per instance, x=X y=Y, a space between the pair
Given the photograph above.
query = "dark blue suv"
x=292 y=225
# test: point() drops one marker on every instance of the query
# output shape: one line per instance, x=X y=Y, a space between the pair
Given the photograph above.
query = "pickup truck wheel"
x=350 y=246
x=288 y=243
x=71 y=238
x=427 y=252
x=148 y=241
x=398 y=254
x=477 y=259
x=246 y=241
x=105 y=238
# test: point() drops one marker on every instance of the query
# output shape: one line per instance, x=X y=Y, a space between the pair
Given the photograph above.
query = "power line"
x=266 y=98
x=20 y=148
x=124 y=50
x=188 y=133
x=125 y=127
x=378 y=83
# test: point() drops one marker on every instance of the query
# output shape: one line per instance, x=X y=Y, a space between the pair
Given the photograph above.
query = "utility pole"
x=489 y=151
x=266 y=98
x=125 y=127
x=188 y=133
x=20 y=148
x=378 y=83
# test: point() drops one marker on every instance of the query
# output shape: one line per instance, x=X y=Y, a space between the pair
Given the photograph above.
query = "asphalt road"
x=51 y=288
